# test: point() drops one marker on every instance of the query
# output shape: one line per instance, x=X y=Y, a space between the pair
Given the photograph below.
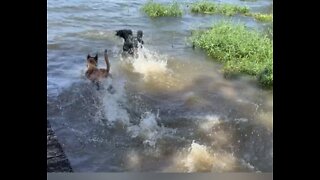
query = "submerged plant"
x=154 y=9
x=206 y=7
x=261 y=17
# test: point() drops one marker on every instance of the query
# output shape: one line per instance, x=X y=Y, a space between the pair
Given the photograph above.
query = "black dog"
x=131 y=43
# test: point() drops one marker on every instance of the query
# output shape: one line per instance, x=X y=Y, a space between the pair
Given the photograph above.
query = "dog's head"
x=124 y=33
x=130 y=45
x=92 y=61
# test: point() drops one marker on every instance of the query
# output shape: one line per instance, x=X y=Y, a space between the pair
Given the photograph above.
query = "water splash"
x=149 y=130
x=149 y=64
x=198 y=158
x=114 y=102
x=133 y=160
x=115 y=112
x=201 y=158
x=208 y=122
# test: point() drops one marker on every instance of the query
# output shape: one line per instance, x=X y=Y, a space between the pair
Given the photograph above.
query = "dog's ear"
x=88 y=56
x=96 y=58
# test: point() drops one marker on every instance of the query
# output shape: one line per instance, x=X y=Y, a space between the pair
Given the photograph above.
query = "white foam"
x=200 y=158
x=115 y=112
x=114 y=102
x=148 y=129
x=207 y=122
x=133 y=160
x=241 y=120
x=149 y=64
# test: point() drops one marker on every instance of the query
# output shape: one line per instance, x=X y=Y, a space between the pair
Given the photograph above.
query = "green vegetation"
x=261 y=17
x=239 y=49
x=154 y=9
x=206 y=7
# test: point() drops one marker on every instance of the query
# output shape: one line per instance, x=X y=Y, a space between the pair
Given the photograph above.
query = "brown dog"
x=93 y=72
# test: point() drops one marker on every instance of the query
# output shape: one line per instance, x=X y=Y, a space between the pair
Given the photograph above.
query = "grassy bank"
x=239 y=49
x=206 y=7
x=154 y=9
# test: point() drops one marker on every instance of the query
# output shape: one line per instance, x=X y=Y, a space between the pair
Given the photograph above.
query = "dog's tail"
x=107 y=60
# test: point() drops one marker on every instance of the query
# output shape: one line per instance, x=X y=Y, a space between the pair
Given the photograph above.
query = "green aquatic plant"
x=154 y=9
x=206 y=7
x=261 y=17
x=239 y=49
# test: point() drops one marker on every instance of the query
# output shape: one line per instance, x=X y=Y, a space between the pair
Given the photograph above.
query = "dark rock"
x=56 y=159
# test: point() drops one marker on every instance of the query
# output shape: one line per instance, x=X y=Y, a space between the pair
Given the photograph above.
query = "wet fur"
x=94 y=73
x=131 y=43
